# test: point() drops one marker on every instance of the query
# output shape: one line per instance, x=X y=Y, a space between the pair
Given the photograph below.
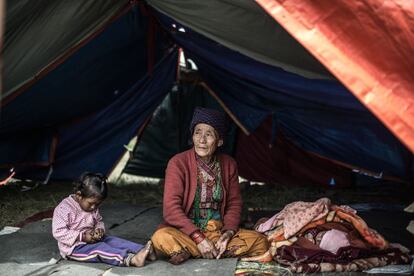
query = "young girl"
x=80 y=232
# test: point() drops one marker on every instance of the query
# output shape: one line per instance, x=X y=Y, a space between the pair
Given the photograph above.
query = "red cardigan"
x=180 y=188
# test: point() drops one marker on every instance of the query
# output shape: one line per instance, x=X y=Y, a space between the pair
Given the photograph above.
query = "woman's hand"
x=221 y=244
x=207 y=249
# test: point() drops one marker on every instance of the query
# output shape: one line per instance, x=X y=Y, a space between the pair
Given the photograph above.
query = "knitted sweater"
x=70 y=222
x=180 y=189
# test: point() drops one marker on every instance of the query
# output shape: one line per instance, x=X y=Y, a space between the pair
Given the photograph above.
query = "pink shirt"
x=69 y=223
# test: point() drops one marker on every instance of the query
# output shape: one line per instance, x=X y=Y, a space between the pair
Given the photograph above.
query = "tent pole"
x=226 y=109
x=361 y=170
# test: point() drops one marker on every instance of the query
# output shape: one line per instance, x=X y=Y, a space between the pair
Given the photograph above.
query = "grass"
x=16 y=206
x=277 y=196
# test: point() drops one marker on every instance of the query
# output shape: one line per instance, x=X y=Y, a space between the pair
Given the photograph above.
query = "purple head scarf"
x=211 y=117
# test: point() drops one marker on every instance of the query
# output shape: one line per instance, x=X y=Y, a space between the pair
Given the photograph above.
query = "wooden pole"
x=226 y=109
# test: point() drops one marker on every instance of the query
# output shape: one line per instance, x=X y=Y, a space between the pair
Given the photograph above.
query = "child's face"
x=88 y=204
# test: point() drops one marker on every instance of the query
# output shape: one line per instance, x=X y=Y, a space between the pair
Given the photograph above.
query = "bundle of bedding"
x=322 y=237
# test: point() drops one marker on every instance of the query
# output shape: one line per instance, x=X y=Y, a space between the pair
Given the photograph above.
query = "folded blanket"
x=295 y=216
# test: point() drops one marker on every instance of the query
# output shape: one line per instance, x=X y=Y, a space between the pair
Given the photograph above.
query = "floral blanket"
x=322 y=237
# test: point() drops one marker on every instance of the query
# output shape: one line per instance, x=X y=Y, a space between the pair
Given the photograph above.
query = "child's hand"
x=98 y=234
x=87 y=236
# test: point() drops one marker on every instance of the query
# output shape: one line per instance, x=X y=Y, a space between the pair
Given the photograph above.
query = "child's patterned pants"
x=110 y=250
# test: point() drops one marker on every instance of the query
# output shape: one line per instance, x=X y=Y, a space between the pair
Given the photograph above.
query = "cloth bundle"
x=322 y=237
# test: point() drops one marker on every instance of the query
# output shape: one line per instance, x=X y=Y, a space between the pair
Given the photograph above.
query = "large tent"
x=327 y=82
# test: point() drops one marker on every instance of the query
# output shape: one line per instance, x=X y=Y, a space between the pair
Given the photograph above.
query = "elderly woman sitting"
x=202 y=202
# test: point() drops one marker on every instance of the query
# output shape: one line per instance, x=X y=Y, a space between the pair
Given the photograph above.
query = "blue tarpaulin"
x=88 y=80
x=109 y=72
x=97 y=142
x=79 y=115
x=320 y=116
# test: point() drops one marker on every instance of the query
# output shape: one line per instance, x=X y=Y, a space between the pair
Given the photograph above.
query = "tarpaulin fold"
x=244 y=27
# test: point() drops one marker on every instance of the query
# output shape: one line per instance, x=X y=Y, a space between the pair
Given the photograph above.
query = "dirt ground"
x=16 y=206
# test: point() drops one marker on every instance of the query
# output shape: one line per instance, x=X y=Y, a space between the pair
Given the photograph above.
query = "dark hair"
x=91 y=185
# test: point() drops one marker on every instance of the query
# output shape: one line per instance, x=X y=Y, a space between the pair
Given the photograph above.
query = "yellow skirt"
x=245 y=243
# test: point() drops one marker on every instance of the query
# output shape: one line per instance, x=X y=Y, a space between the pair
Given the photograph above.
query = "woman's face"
x=206 y=141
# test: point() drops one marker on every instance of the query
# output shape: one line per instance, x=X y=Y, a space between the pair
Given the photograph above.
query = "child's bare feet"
x=151 y=255
x=139 y=258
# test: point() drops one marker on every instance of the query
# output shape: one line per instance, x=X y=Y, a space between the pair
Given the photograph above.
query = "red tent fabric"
x=368 y=45
x=284 y=163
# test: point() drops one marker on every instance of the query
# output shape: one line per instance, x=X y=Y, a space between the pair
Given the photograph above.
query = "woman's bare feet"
x=139 y=259
x=179 y=258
